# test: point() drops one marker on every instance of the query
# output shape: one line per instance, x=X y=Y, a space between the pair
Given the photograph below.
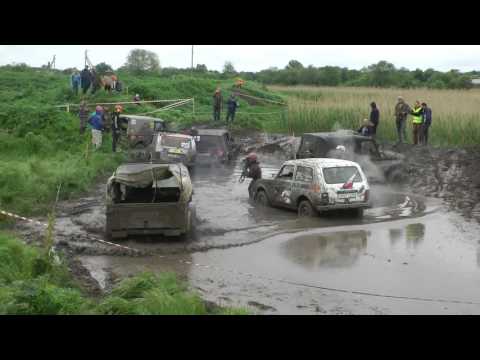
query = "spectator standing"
x=217 y=104
x=427 y=122
x=232 y=105
x=374 y=118
x=401 y=112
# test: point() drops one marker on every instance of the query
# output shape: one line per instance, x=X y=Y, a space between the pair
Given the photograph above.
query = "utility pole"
x=192 y=58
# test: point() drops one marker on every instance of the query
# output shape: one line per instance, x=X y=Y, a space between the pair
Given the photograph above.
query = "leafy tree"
x=103 y=68
x=228 y=68
x=201 y=68
x=381 y=73
x=294 y=65
x=140 y=60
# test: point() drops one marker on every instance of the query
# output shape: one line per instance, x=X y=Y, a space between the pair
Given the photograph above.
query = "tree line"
x=381 y=74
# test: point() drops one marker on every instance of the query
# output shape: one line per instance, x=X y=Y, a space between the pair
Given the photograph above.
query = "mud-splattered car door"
x=302 y=184
x=282 y=187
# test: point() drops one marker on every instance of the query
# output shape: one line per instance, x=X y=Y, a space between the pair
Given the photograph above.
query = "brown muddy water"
x=408 y=255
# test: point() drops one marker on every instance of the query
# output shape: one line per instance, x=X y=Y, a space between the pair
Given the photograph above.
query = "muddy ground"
x=415 y=251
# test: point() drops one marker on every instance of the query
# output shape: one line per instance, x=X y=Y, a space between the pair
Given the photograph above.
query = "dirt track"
x=409 y=254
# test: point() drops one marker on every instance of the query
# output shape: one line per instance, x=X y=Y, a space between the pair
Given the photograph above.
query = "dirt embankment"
x=449 y=174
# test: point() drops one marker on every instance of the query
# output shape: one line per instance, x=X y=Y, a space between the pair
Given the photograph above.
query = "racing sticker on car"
x=285 y=196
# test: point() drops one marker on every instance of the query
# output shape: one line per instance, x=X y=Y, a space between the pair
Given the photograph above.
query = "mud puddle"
x=406 y=255
x=429 y=265
x=225 y=217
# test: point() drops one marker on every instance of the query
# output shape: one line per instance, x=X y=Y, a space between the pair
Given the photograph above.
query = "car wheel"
x=261 y=198
x=305 y=209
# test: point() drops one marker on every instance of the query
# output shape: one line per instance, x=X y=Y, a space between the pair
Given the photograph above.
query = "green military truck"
x=149 y=199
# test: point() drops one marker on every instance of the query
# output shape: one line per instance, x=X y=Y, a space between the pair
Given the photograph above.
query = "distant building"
x=476 y=82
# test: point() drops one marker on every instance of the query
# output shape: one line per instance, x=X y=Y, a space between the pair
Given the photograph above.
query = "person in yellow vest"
x=417 y=121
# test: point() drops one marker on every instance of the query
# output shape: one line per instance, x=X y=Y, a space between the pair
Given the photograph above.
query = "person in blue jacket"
x=96 y=122
x=75 y=82
x=232 y=105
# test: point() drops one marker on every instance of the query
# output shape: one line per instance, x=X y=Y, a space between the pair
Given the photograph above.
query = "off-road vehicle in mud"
x=140 y=129
x=359 y=148
x=215 y=146
x=312 y=186
x=174 y=147
x=149 y=199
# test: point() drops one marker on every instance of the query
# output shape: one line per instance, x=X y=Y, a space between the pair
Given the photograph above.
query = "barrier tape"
x=15 y=216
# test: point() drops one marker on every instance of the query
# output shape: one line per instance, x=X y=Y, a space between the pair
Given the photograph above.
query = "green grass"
x=31 y=283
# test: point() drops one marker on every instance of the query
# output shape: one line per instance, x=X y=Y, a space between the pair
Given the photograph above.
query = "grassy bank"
x=455 y=112
x=40 y=145
x=33 y=284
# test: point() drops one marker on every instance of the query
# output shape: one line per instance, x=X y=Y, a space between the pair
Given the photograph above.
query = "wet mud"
x=415 y=251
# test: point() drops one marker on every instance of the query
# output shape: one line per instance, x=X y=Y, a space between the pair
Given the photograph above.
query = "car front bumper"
x=330 y=207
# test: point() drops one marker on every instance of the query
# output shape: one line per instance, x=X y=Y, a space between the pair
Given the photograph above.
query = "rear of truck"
x=149 y=199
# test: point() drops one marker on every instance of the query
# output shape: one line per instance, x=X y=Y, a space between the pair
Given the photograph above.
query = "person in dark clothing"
x=427 y=122
x=374 y=118
x=252 y=170
x=83 y=114
x=232 y=105
x=116 y=126
x=401 y=112
x=85 y=80
x=96 y=83
x=217 y=105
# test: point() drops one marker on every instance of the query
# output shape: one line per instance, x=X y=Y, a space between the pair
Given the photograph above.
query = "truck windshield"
x=341 y=174
x=209 y=142
x=175 y=141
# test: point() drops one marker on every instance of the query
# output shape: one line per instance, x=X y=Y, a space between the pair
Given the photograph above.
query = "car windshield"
x=209 y=142
x=341 y=174
x=175 y=141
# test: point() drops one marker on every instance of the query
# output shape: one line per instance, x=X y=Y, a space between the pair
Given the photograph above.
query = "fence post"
x=68 y=108
x=193 y=106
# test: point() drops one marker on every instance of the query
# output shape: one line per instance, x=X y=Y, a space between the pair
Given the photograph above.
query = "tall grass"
x=456 y=119
x=32 y=284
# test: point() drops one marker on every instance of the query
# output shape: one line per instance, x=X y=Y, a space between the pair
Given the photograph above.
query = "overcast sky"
x=254 y=57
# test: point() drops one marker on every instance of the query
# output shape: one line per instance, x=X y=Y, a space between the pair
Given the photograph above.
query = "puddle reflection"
x=340 y=249
x=415 y=233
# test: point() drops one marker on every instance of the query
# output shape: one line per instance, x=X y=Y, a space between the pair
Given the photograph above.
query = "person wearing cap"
x=217 y=104
x=427 y=121
x=96 y=122
x=401 y=112
x=252 y=170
